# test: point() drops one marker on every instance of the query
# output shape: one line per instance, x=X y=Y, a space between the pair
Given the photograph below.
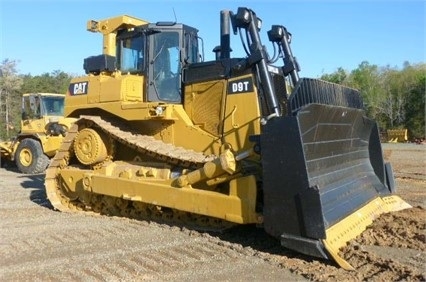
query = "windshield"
x=52 y=106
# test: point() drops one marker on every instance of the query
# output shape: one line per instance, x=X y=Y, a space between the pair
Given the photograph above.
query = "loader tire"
x=29 y=157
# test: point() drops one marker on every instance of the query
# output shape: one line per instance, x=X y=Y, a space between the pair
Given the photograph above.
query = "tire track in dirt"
x=56 y=246
x=154 y=263
x=64 y=236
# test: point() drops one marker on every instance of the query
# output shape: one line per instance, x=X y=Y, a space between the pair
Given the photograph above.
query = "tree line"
x=394 y=97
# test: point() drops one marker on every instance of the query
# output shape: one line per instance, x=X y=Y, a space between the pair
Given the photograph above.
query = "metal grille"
x=315 y=91
x=203 y=104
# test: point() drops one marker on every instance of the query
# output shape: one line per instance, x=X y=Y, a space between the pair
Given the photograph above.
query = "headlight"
x=159 y=111
x=259 y=24
x=242 y=17
x=276 y=33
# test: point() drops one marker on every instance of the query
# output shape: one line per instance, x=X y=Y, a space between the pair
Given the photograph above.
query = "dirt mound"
x=393 y=248
x=403 y=229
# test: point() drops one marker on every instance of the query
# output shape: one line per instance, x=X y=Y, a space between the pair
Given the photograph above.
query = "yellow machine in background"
x=42 y=130
x=162 y=135
x=397 y=135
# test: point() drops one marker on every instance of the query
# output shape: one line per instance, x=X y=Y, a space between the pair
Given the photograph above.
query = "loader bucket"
x=324 y=177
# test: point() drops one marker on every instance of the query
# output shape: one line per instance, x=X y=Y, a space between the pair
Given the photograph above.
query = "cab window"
x=31 y=107
x=130 y=53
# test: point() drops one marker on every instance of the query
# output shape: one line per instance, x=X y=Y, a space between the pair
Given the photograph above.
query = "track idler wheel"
x=90 y=146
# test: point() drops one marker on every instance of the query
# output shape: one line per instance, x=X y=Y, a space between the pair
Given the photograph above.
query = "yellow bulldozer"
x=42 y=129
x=163 y=135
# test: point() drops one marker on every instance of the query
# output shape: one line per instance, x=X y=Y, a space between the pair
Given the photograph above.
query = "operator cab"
x=159 y=52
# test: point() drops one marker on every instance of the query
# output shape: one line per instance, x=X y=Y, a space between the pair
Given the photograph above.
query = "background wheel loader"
x=42 y=130
x=163 y=136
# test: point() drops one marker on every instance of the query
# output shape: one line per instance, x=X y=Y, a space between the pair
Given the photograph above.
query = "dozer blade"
x=324 y=178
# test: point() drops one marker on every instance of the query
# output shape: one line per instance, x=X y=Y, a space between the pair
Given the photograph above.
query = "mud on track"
x=37 y=243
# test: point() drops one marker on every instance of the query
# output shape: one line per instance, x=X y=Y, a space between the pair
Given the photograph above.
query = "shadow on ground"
x=35 y=182
x=8 y=165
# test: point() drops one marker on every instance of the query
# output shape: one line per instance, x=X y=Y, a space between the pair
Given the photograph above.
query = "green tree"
x=54 y=82
x=393 y=97
x=339 y=76
x=398 y=85
x=366 y=79
x=10 y=84
x=416 y=108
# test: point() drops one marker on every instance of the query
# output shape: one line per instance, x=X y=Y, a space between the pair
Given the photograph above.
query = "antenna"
x=168 y=23
x=175 y=15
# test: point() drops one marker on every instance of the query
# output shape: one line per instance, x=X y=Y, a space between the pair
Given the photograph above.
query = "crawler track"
x=163 y=152
x=147 y=144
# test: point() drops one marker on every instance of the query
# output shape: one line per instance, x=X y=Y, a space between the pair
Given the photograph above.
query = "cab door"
x=164 y=67
x=32 y=114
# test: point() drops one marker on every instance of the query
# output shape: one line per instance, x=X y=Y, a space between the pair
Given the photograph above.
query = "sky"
x=47 y=35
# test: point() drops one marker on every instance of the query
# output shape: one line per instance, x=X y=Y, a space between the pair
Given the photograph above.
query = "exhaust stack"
x=225 y=42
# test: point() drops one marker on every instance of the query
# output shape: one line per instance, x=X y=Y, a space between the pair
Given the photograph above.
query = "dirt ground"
x=40 y=244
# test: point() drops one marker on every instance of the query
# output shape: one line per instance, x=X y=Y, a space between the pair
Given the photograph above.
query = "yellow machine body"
x=42 y=129
x=161 y=135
